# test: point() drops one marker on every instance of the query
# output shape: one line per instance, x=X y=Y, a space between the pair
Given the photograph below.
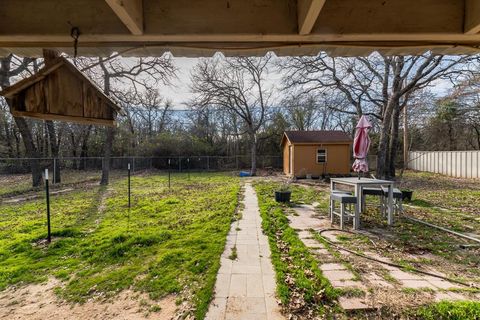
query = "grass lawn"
x=456 y=310
x=169 y=242
x=450 y=202
x=19 y=184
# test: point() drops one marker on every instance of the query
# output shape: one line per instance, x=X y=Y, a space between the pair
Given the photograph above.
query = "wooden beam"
x=203 y=40
x=130 y=13
x=59 y=117
x=308 y=11
x=196 y=20
x=197 y=28
x=472 y=17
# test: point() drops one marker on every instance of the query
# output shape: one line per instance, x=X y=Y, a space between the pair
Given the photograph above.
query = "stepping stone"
x=330 y=236
x=332 y=266
x=321 y=252
x=306 y=219
x=443 y=284
x=336 y=275
x=304 y=234
x=217 y=308
x=417 y=284
x=246 y=308
x=377 y=280
x=449 y=296
x=345 y=253
x=353 y=303
x=222 y=286
x=381 y=283
x=311 y=243
x=402 y=275
x=347 y=284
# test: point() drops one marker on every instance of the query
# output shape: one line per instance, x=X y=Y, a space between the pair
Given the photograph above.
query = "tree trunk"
x=451 y=137
x=73 y=147
x=393 y=148
x=8 y=137
x=107 y=156
x=17 y=142
x=383 y=154
x=84 y=148
x=22 y=125
x=253 y=153
x=405 y=137
x=477 y=134
x=54 y=146
x=30 y=150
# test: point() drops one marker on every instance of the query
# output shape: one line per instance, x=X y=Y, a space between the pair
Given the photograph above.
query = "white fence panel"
x=461 y=164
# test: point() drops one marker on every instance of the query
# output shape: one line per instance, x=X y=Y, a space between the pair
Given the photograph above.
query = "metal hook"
x=75 y=34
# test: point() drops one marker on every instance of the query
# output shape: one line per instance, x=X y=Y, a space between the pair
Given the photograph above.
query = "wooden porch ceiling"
x=240 y=27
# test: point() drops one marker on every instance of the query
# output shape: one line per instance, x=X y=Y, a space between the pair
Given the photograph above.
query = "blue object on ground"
x=245 y=174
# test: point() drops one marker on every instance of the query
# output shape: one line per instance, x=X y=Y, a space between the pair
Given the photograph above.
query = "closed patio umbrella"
x=361 y=143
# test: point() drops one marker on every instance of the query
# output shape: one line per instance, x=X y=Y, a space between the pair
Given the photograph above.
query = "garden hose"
x=458 y=234
x=385 y=262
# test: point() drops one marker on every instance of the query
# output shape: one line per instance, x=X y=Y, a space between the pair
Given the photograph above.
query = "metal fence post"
x=179 y=164
x=208 y=163
x=54 y=170
x=47 y=193
x=168 y=174
x=129 y=185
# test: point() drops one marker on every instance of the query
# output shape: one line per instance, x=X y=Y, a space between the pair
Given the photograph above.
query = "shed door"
x=290 y=160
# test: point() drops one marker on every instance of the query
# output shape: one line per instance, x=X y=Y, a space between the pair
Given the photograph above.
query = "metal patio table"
x=358 y=185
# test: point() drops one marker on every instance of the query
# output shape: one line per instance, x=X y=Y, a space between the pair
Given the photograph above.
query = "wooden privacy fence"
x=460 y=164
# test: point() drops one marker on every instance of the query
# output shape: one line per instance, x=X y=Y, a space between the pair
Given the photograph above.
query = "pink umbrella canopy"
x=361 y=143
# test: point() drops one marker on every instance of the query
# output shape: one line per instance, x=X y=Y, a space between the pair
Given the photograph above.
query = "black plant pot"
x=282 y=196
x=407 y=195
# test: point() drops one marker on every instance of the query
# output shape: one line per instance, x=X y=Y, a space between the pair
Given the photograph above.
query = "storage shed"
x=316 y=153
x=59 y=91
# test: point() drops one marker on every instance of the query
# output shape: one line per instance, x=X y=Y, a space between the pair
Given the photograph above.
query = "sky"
x=178 y=93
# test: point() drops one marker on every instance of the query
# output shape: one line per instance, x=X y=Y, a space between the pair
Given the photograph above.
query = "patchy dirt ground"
x=377 y=290
x=372 y=289
x=38 y=301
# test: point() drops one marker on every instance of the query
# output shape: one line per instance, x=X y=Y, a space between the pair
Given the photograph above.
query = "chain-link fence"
x=177 y=163
x=16 y=174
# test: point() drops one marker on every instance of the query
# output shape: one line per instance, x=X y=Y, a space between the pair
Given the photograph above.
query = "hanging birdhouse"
x=61 y=92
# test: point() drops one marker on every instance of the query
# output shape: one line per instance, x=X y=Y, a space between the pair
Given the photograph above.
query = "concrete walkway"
x=245 y=287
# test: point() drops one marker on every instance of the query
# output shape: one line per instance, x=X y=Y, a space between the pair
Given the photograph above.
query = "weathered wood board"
x=61 y=92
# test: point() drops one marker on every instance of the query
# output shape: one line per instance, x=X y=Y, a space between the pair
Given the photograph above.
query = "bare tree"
x=11 y=67
x=154 y=112
x=135 y=74
x=237 y=86
x=310 y=111
x=303 y=114
x=378 y=86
